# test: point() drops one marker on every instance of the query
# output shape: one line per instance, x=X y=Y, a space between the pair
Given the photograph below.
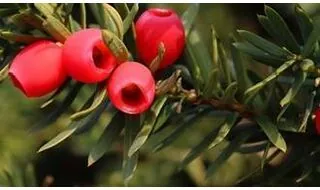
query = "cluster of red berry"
x=42 y=67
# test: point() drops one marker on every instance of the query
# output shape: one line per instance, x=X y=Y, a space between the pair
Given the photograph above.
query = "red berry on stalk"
x=86 y=58
x=131 y=88
x=155 y=26
x=317 y=120
x=37 y=70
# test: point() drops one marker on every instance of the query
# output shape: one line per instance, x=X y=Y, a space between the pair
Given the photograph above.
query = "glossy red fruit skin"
x=131 y=88
x=37 y=70
x=81 y=54
x=317 y=120
x=155 y=26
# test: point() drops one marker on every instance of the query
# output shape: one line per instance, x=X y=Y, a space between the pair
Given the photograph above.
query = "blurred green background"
x=66 y=164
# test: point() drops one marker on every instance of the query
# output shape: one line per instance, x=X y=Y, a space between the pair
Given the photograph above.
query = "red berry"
x=155 y=26
x=131 y=88
x=317 y=114
x=37 y=70
x=86 y=58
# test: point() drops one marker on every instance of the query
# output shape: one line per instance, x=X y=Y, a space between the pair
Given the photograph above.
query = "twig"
x=242 y=109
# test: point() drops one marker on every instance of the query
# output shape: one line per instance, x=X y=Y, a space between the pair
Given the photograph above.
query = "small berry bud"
x=131 y=88
x=155 y=26
x=37 y=70
x=86 y=58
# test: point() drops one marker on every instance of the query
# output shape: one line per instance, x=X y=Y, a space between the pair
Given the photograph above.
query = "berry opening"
x=17 y=83
x=97 y=57
x=102 y=57
x=161 y=12
x=132 y=96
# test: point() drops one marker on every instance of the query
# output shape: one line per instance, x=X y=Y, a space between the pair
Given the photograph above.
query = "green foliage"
x=18 y=175
x=127 y=22
x=58 y=110
x=110 y=133
x=148 y=125
x=272 y=132
x=218 y=81
x=227 y=152
x=130 y=161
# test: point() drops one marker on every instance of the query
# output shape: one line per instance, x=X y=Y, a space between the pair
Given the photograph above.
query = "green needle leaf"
x=252 y=91
x=230 y=93
x=265 y=22
x=108 y=18
x=98 y=13
x=56 y=29
x=224 y=130
x=307 y=112
x=241 y=70
x=57 y=139
x=312 y=40
x=304 y=22
x=73 y=24
x=83 y=15
x=56 y=93
x=282 y=112
x=258 y=54
x=45 y=8
x=185 y=123
x=264 y=156
x=213 y=86
x=75 y=126
x=226 y=69
x=265 y=45
x=203 y=145
x=148 y=125
x=100 y=96
x=60 y=109
x=284 y=35
x=117 y=47
x=115 y=22
x=272 y=132
x=163 y=116
x=128 y=21
x=226 y=153
x=129 y=163
x=198 y=59
x=215 y=49
x=293 y=91
x=22 y=38
x=109 y=135
x=189 y=17
x=28 y=18
x=4 y=73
